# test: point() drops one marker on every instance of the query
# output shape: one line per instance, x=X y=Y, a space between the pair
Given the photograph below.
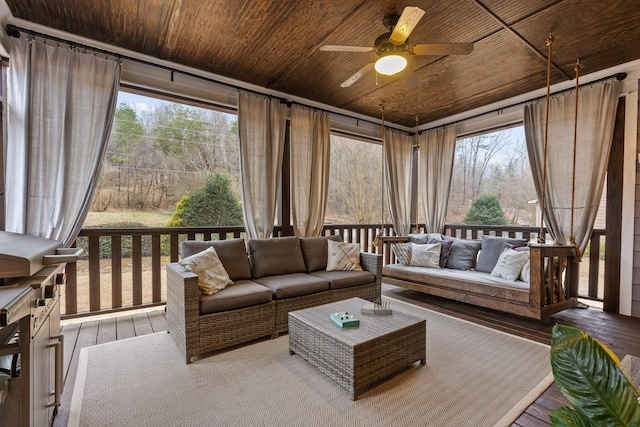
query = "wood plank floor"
x=620 y=333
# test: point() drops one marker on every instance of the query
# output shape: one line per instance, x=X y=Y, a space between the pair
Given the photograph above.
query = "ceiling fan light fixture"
x=391 y=64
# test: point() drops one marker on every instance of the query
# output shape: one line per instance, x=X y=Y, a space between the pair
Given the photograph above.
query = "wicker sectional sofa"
x=271 y=277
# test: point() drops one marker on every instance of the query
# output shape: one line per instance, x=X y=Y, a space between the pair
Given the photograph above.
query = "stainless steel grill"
x=30 y=342
x=22 y=255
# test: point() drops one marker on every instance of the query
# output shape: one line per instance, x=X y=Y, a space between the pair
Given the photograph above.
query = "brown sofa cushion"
x=293 y=285
x=346 y=279
x=280 y=255
x=315 y=251
x=243 y=293
x=232 y=254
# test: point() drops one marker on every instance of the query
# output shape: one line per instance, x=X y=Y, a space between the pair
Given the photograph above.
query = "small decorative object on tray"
x=378 y=307
x=344 y=319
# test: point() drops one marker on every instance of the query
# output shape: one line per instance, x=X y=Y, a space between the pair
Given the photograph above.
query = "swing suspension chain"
x=572 y=238
x=383 y=201
x=541 y=237
x=417 y=143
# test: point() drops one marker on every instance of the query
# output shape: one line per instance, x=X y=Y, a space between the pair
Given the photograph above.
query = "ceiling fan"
x=393 y=47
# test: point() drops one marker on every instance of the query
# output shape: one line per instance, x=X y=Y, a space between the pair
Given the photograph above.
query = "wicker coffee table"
x=361 y=357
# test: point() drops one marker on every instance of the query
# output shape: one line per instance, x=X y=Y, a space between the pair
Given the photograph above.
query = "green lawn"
x=149 y=219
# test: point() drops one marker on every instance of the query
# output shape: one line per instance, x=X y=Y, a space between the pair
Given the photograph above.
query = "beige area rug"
x=474 y=376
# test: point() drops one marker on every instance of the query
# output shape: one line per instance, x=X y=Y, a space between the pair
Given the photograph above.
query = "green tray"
x=344 y=319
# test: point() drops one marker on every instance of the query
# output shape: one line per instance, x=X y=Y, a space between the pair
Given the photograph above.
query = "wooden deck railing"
x=123 y=268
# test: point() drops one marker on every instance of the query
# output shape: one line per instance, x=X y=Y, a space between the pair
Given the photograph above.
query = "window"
x=355 y=182
x=158 y=152
x=493 y=163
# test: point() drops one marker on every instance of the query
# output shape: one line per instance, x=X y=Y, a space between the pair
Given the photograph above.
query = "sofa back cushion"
x=315 y=251
x=280 y=255
x=232 y=254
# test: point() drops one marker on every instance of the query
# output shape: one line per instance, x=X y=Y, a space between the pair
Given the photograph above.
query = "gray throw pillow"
x=491 y=249
x=421 y=238
x=463 y=253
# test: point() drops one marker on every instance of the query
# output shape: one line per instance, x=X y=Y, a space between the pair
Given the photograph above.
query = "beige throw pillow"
x=510 y=264
x=212 y=277
x=343 y=256
x=427 y=255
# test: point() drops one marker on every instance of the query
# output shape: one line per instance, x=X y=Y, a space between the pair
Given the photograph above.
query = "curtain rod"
x=618 y=76
x=14 y=31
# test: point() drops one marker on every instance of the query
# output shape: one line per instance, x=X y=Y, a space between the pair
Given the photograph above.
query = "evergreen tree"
x=486 y=210
x=213 y=204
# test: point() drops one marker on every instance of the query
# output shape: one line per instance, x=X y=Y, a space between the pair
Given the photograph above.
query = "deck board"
x=124 y=327
x=618 y=332
x=87 y=335
x=158 y=320
x=107 y=330
x=141 y=324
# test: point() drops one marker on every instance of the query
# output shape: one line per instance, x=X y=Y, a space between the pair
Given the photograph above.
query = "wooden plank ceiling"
x=274 y=44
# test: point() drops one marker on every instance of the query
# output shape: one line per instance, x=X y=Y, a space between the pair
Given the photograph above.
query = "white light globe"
x=390 y=64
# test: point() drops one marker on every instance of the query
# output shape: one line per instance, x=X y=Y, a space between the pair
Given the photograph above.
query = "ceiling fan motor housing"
x=384 y=47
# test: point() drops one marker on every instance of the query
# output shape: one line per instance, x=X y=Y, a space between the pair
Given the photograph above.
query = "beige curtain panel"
x=261 y=128
x=61 y=107
x=596 y=118
x=310 y=154
x=435 y=168
x=398 y=151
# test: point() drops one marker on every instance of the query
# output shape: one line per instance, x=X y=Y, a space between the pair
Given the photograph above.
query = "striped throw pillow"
x=402 y=251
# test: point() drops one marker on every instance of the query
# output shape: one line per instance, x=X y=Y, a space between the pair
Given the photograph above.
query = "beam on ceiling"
x=522 y=39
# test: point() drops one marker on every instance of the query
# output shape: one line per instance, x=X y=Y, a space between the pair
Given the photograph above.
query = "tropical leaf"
x=567 y=417
x=591 y=380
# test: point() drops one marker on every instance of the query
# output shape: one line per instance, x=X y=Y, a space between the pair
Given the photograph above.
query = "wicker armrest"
x=183 y=307
x=373 y=263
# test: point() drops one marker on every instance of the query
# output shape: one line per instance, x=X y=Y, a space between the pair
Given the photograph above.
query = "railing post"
x=94 y=273
x=537 y=277
x=116 y=271
x=136 y=268
x=71 y=288
x=156 y=269
x=594 y=266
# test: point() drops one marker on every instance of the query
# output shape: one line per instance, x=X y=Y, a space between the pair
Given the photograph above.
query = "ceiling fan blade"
x=409 y=78
x=357 y=76
x=442 y=49
x=407 y=22
x=335 y=48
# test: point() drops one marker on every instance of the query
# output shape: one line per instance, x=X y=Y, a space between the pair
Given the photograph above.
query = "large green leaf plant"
x=589 y=376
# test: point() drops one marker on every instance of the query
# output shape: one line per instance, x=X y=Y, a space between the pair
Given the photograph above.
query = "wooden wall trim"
x=614 y=213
